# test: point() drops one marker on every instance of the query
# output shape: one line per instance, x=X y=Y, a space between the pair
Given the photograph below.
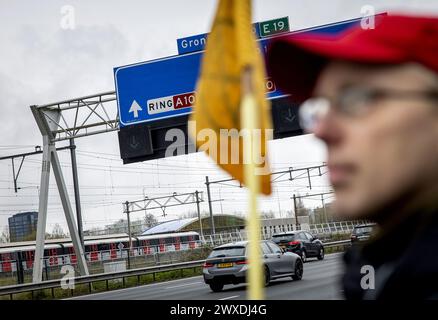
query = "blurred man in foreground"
x=372 y=97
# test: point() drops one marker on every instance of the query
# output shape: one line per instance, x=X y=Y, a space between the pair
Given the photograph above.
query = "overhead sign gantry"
x=158 y=95
x=141 y=137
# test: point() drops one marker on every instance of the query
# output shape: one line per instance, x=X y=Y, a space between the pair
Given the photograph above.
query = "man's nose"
x=328 y=128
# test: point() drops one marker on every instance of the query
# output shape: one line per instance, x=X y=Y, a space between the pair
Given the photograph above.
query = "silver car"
x=227 y=264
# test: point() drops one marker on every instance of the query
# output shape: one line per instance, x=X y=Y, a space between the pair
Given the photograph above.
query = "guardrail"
x=337 y=243
x=52 y=284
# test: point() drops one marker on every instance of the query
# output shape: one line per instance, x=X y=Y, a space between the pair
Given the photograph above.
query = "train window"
x=103 y=247
x=90 y=248
x=5 y=257
x=97 y=246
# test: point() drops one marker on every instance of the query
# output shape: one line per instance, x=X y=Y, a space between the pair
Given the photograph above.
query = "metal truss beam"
x=163 y=202
x=306 y=174
x=61 y=121
x=15 y=175
x=290 y=171
x=50 y=158
x=78 y=117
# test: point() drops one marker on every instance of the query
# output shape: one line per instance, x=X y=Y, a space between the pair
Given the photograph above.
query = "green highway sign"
x=271 y=27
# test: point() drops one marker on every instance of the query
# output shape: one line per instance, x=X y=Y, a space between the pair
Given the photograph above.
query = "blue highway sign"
x=164 y=88
x=192 y=44
x=156 y=89
x=197 y=42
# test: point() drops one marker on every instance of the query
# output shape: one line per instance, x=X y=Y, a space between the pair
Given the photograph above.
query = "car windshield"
x=365 y=229
x=283 y=237
x=227 y=252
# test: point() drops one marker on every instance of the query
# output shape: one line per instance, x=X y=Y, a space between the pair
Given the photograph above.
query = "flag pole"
x=251 y=147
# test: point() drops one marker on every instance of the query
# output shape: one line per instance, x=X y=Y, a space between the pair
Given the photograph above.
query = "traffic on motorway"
x=321 y=280
x=302 y=243
x=228 y=264
x=282 y=256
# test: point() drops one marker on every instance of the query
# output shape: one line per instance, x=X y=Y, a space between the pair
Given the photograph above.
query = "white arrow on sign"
x=290 y=117
x=135 y=107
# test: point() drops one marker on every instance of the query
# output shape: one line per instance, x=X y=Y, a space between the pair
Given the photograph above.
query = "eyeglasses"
x=353 y=102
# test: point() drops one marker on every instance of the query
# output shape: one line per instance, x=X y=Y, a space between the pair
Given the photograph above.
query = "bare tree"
x=4 y=237
x=190 y=214
x=94 y=231
x=267 y=214
x=57 y=232
x=150 y=220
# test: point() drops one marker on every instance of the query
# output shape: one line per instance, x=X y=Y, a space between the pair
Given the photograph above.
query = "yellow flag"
x=231 y=48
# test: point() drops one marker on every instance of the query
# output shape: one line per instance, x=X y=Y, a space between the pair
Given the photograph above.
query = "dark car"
x=227 y=264
x=362 y=232
x=300 y=242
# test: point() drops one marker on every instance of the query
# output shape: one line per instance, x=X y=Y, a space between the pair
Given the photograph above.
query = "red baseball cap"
x=295 y=61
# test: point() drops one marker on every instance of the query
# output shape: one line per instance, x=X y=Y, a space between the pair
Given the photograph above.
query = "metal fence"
x=137 y=259
x=323 y=230
x=60 y=283
x=335 y=227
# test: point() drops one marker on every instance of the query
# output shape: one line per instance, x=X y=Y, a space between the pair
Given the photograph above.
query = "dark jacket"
x=405 y=261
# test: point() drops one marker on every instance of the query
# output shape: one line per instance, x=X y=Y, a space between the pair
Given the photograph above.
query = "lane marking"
x=133 y=288
x=184 y=285
x=227 y=298
x=144 y=286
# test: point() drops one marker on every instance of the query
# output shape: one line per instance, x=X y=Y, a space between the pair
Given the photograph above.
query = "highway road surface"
x=320 y=281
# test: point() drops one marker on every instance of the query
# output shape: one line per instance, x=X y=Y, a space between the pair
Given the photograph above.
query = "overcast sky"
x=43 y=63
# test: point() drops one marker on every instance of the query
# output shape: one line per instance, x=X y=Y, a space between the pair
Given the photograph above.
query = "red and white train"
x=97 y=248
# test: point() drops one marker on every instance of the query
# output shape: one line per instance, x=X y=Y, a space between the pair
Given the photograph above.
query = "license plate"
x=225 y=265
